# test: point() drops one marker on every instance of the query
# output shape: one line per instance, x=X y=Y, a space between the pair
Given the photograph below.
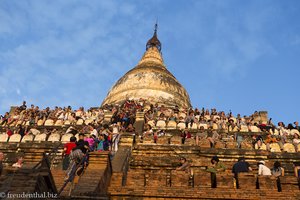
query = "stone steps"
x=58 y=176
x=198 y=193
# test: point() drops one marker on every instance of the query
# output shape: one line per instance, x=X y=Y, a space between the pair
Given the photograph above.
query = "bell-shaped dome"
x=149 y=80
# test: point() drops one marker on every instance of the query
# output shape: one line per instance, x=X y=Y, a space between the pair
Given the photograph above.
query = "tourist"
x=240 y=167
x=263 y=170
x=269 y=140
x=20 y=130
x=184 y=165
x=91 y=142
x=106 y=143
x=94 y=131
x=189 y=119
x=297 y=172
x=185 y=134
x=115 y=137
x=155 y=136
x=148 y=132
x=9 y=132
x=232 y=127
x=257 y=140
x=212 y=137
x=216 y=166
x=1 y=162
x=19 y=163
x=5 y=118
x=100 y=146
x=82 y=144
x=68 y=147
x=130 y=129
x=296 y=141
x=277 y=171
x=76 y=159
x=200 y=135
x=23 y=106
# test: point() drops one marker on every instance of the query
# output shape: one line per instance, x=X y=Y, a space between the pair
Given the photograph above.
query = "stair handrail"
x=48 y=156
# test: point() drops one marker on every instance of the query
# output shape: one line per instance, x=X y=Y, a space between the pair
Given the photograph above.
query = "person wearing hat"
x=263 y=170
x=216 y=167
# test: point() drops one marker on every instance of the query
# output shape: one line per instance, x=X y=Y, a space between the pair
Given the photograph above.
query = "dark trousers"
x=278 y=184
x=66 y=162
x=237 y=180
x=213 y=179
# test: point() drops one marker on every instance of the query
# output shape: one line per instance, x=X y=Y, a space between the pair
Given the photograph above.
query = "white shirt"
x=263 y=170
x=94 y=132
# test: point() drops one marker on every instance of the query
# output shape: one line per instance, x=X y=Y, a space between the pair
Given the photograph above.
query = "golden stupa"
x=149 y=80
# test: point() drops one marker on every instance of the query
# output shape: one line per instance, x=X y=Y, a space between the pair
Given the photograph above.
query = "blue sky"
x=238 y=55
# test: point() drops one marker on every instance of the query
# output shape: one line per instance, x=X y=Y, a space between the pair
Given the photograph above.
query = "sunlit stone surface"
x=150 y=80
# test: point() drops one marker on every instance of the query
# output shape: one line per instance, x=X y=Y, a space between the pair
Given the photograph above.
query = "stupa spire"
x=152 y=56
x=154 y=41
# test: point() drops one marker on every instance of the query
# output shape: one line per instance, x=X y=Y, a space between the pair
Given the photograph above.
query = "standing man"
x=216 y=167
x=240 y=166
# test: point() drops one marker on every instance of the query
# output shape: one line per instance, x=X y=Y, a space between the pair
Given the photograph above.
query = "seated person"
x=185 y=166
x=212 y=137
x=130 y=129
x=148 y=132
x=263 y=170
x=185 y=135
x=100 y=145
x=232 y=126
x=19 y=163
x=269 y=140
x=257 y=139
x=201 y=134
x=296 y=141
x=189 y=119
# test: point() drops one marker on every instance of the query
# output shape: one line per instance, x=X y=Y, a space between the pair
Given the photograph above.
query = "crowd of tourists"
x=98 y=135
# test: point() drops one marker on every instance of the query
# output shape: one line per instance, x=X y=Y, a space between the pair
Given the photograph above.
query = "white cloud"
x=64 y=52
